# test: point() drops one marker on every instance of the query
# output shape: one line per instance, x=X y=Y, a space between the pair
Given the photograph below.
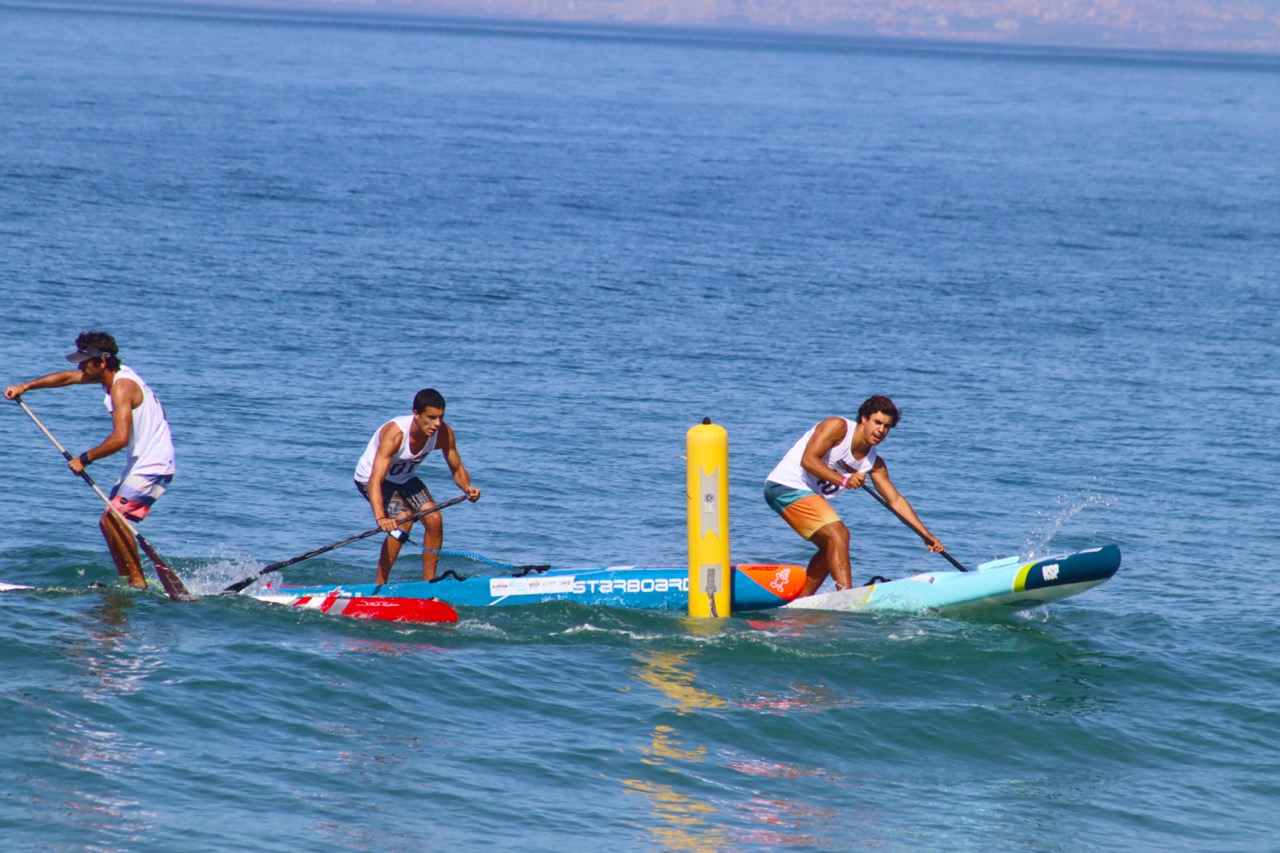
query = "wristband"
x=84 y=459
x=844 y=484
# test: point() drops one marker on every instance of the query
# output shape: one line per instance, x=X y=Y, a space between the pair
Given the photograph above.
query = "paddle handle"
x=884 y=503
x=172 y=584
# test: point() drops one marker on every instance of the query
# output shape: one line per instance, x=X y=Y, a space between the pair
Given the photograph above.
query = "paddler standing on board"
x=137 y=422
x=836 y=455
x=385 y=476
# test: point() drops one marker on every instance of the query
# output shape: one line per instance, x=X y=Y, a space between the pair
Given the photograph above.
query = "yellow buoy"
x=707 y=496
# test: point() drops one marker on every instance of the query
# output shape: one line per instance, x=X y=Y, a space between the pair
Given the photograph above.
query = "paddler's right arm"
x=388 y=443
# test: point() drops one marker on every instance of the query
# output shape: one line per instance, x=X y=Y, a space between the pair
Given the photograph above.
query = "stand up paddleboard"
x=1000 y=586
x=755 y=587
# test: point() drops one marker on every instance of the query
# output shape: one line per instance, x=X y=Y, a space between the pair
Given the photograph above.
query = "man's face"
x=93 y=367
x=429 y=419
x=878 y=426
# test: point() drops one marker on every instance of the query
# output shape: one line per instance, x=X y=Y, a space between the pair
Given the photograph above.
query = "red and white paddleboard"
x=387 y=609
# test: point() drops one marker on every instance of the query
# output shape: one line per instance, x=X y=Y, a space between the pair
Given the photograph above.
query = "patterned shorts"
x=134 y=494
x=807 y=512
x=397 y=497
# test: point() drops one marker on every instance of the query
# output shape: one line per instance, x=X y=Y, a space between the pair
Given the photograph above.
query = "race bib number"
x=404 y=467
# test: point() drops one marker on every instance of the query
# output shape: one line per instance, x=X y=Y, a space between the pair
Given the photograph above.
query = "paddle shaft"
x=239 y=585
x=169 y=579
x=884 y=503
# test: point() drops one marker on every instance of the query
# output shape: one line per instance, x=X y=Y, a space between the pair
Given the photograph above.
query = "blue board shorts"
x=397 y=497
x=135 y=494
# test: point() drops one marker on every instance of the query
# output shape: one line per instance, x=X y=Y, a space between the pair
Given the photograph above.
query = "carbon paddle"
x=239 y=585
x=169 y=579
x=869 y=490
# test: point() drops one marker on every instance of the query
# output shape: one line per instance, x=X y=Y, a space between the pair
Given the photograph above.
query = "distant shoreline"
x=1064 y=40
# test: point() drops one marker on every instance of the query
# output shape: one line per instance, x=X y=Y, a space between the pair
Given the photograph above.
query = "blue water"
x=1063 y=266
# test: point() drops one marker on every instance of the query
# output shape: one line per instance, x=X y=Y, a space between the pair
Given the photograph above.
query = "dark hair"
x=879 y=403
x=102 y=342
x=428 y=398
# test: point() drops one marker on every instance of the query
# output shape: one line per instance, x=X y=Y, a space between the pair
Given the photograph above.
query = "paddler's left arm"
x=460 y=476
x=880 y=478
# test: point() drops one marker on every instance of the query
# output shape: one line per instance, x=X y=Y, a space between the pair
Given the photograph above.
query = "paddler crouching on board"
x=385 y=476
x=137 y=422
x=836 y=455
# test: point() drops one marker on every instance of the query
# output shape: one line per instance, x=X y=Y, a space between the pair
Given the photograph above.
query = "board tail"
x=783 y=582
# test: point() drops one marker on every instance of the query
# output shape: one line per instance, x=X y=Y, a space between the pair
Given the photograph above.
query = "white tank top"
x=403 y=463
x=150 y=444
x=788 y=472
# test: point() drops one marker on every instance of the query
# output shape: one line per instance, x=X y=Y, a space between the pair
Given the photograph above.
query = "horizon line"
x=382 y=16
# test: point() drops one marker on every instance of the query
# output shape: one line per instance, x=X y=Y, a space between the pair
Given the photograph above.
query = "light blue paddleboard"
x=1000 y=586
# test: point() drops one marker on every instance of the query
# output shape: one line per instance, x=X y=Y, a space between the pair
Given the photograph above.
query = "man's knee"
x=110 y=525
x=834 y=535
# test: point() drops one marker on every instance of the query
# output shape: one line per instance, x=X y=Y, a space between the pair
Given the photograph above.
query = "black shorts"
x=397 y=497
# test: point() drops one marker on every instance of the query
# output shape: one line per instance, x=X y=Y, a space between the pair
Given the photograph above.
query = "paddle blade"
x=173 y=585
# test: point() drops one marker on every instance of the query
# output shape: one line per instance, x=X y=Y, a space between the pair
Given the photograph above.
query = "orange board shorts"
x=807 y=512
x=135 y=494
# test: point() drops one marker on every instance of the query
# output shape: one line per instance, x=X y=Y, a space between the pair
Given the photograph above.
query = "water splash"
x=1070 y=506
x=224 y=567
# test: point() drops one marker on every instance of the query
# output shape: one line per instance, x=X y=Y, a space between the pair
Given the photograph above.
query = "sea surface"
x=1063 y=265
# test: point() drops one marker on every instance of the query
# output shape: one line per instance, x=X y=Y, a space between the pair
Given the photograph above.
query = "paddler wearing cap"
x=137 y=422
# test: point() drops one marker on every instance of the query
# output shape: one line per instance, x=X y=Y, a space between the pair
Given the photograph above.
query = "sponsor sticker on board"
x=531 y=585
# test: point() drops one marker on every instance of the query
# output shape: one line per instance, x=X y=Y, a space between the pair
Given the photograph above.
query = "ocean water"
x=1061 y=264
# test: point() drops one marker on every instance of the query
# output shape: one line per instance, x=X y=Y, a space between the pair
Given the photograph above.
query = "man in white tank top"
x=137 y=422
x=836 y=455
x=385 y=475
